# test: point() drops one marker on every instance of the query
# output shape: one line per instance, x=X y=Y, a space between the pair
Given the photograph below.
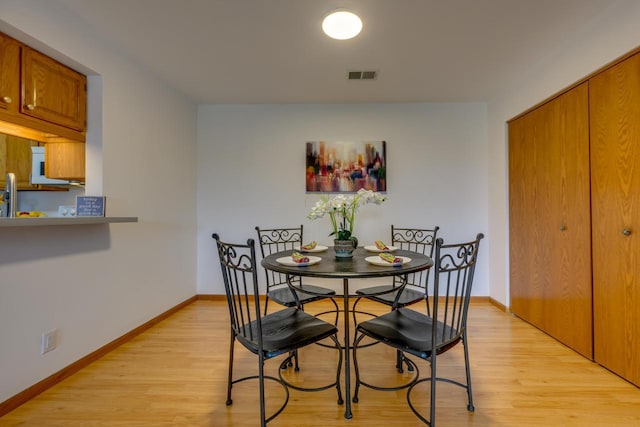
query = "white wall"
x=611 y=35
x=251 y=162
x=95 y=283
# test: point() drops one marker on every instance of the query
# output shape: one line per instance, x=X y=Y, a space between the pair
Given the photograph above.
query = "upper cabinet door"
x=9 y=73
x=52 y=91
x=15 y=156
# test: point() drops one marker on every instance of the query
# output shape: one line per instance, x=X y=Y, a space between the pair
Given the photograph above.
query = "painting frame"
x=345 y=166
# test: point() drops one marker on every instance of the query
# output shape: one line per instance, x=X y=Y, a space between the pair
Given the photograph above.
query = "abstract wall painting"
x=346 y=167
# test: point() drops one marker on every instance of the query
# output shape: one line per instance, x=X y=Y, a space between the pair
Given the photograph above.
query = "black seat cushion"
x=409 y=331
x=284 y=296
x=409 y=296
x=286 y=330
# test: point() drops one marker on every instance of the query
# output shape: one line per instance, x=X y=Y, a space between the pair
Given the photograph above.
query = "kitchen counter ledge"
x=51 y=221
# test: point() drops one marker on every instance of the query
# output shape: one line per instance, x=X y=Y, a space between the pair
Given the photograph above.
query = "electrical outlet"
x=48 y=341
x=66 y=210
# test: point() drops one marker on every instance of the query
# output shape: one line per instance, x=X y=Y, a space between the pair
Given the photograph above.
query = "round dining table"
x=358 y=267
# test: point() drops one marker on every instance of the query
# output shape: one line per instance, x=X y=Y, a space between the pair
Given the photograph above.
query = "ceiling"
x=273 y=51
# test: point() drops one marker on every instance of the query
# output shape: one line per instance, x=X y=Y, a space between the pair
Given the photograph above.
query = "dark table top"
x=356 y=267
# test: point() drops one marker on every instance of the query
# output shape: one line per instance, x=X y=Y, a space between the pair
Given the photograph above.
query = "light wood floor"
x=175 y=375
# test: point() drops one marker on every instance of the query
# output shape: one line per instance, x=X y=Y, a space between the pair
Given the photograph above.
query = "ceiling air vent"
x=361 y=75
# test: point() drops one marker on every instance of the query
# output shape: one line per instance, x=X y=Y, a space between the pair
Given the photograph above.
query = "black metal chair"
x=430 y=334
x=398 y=293
x=267 y=336
x=284 y=239
x=411 y=239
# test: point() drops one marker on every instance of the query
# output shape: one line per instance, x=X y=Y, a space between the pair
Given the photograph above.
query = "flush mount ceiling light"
x=342 y=25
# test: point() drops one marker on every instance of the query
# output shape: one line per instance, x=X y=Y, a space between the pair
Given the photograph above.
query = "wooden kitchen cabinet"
x=9 y=73
x=52 y=92
x=549 y=219
x=43 y=100
x=65 y=160
x=15 y=156
x=615 y=203
x=40 y=95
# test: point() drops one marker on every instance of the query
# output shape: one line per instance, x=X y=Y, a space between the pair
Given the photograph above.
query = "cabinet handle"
x=7 y=99
x=563 y=227
x=31 y=107
x=626 y=232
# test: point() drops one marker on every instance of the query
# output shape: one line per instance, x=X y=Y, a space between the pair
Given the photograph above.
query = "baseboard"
x=212 y=297
x=31 y=392
x=218 y=297
x=498 y=305
x=474 y=299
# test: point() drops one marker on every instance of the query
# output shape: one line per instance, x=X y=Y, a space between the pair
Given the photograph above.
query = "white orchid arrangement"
x=342 y=210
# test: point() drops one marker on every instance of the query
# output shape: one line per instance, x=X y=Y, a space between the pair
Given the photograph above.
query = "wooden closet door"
x=549 y=219
x=615 y=185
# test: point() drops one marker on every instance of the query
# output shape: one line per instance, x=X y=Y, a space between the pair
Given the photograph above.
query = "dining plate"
x=374 y=248
x=376 y=260
x=318 y=248
x=287 y=260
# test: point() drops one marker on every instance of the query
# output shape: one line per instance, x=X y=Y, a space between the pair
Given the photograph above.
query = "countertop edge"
x=77 y=220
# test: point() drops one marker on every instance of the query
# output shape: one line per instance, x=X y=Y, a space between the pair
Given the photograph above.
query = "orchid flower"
x=342 y=210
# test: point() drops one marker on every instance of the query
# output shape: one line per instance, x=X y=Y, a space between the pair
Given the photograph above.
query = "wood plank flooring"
x=175 y=375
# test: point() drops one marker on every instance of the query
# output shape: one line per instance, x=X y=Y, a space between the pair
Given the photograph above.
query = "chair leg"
x=432 y=406
x=399 y=361
x=266 y=304
x=356 y=341
x=231 y=345
x=295 y=357
x=263 y=415
x=470 y=406
x=335 y=304
x=353 y=311
x=287 y=363
x=339 y=370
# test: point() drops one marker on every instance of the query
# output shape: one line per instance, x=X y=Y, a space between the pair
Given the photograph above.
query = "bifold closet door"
x=549 y=219
x=615 y=185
